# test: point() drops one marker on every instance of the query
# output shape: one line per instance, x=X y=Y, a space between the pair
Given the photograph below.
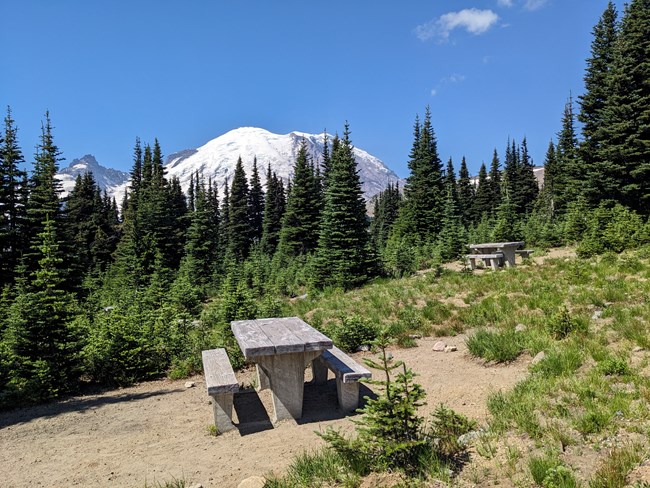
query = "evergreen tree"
x=597 y=92
x=528 y=187
x=622 y=168
x=256 y=204
x=41 y=335
x=483 y=203
x=326 y=164
x=342 y=257
x=299 y=234
x=420 y=215
x=201 y=249
x=82 y=217
x=494 y=178
x=567 y=180
x=13 y=197
x=547 y=195
x=239 y=217
x=43 y=202
x=224 y=228
x=466 y=192
x=386 y=208
x=274 y=207
x=452 y=238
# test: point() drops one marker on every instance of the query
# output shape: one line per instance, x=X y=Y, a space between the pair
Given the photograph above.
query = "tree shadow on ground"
x=78 y=404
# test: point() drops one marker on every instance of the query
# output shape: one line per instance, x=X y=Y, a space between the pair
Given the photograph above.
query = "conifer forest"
x=99 y=291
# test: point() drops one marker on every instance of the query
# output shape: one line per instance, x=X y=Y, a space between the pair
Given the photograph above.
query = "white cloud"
x=472 y=20
x=534 y=4
x=434 y=92
x=455 y=78
x=504 y=3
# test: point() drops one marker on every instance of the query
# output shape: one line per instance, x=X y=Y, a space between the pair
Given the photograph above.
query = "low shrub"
x=353 y=332
x=561 y=324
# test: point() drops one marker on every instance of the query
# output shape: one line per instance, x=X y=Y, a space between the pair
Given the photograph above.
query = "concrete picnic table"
x=507 y=248
x=281 y=349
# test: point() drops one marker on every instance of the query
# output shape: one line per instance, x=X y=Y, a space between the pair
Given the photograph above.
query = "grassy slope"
x=582 y=415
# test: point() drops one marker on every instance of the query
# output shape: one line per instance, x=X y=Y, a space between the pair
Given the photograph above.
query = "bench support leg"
x=286 y=374
x=472 y=263
x=262 y=379
x=319 y=371
x=222 y=405
x=494 y=263
x=348 y=394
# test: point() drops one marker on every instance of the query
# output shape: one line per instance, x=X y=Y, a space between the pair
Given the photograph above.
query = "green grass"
x=322 y=468
x=590 y=385
x=501 y=347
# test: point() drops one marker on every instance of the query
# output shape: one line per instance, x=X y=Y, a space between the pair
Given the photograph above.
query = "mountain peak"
x=217 y=158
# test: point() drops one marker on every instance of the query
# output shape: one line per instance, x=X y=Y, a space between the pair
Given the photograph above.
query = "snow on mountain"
x=217 y=158
x=107 y=178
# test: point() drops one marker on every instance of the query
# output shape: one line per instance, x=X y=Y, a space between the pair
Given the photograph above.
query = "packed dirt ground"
x=157 y=431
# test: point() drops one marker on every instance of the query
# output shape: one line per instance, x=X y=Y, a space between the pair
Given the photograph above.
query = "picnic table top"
x=266 y=337
x=496 y=245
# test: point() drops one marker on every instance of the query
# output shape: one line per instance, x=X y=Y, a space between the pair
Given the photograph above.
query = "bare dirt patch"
x=158 y=430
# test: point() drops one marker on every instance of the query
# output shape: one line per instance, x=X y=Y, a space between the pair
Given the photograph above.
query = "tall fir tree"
x=594 y=100
x=299 y=234
x=528 y=186
x=386 y=209
x=421 y=212
x=274 y=208
x=483 y=203
x=256 y=204
x=343 y=257
x=13 y=199
x=622 y=166
x=44 y=192
x=41 y=334
x=567 y=180
x=494 y=178
x=239 y=217
x=466 y=192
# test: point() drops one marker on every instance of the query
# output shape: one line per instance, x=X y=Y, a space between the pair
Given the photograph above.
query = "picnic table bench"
x=347 y=373
x=221 y=384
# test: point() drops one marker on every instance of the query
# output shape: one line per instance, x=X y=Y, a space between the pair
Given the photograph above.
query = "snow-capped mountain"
x=107 y=178
x=217 y=158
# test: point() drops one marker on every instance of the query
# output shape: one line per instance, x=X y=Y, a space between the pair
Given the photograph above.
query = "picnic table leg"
x=319 y=371
x=262 y=379
x=472 y=263
x=286 y=374
x=509 y=256
x=222 y=405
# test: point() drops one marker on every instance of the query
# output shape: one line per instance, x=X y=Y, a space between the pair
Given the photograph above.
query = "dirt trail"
x=156 y=431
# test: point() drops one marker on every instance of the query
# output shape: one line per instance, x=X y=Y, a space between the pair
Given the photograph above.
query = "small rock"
x=451 y=349
x=637 y=349
x=608 y=304
x=439 y=346
x=302 y=297
x=389 y=356
x=597 y=314
x=190 y=384
x=465 y=439
x=252 y=482
x=520 y=328
x=363 y=348
x=538 y=357
x=415 y=336
x=196 y=485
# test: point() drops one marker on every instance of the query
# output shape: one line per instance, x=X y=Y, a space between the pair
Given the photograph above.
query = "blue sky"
x=188 y=71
